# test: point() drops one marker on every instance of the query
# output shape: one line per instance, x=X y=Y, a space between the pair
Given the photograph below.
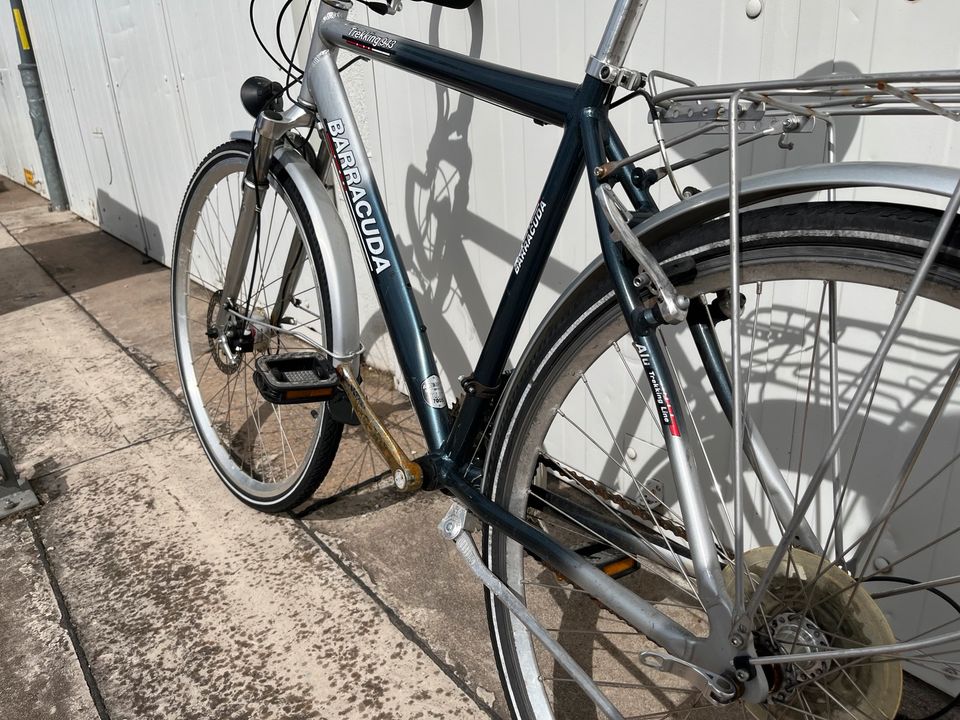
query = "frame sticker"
x=365 y=39
x=660 y=397
x=528 y=238
x=433 y=392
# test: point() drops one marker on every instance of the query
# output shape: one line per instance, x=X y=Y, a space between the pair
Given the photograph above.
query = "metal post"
x=38 y=112
x=15 y=495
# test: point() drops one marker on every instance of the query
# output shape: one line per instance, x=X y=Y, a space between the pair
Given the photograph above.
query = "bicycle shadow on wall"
x=441 y=227
x=786 y=354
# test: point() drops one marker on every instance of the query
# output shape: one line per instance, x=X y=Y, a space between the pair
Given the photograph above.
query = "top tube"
x=544 y=99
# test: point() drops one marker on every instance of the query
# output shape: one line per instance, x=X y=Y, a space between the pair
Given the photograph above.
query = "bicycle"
x=615 y=574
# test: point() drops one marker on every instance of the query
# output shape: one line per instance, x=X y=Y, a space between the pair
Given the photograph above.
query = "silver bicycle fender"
x=712 y=203
x=334 y=250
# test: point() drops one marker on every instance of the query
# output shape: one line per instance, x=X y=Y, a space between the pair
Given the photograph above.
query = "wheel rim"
x=261 y=450
x=879 y=272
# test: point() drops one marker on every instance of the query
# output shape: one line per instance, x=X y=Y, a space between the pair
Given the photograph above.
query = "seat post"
x=617 y=37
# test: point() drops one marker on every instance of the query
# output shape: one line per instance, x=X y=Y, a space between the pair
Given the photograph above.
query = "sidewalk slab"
x=193 y=606
x=14 y=196
x=63 y=399
x=40 y=677
x=393 y=541
x=128 y=293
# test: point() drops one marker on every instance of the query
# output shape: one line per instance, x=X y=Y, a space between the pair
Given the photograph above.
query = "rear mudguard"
x=714 y=203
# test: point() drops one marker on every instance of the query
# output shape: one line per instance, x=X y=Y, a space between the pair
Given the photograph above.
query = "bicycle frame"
x=588 y=140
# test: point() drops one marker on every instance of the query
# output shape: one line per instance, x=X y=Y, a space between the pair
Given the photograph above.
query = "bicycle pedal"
x=297 y=377
x=611 y=561
x=607 y=559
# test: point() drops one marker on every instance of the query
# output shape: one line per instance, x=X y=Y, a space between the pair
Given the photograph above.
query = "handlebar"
x=391 y=6
x=455 y=4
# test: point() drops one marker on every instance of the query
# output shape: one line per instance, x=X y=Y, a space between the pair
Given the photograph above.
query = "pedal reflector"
x=619 y=568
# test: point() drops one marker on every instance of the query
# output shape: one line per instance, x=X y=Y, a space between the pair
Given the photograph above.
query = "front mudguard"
x=334 y=250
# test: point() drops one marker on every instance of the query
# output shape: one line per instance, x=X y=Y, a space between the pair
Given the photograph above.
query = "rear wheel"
x=578 y=448
x=272 y=457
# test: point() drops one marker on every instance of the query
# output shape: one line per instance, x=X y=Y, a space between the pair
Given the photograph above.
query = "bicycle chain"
x=604 y=492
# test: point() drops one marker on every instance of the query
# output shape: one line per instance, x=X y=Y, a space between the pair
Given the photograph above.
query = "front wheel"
x=272 y=457
x=578 y=448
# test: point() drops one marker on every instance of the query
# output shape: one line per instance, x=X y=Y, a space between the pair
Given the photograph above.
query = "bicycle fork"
x=269 y=131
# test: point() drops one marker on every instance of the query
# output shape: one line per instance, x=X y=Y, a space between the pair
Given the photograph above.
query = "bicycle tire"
x=271 y=457
x=877 y=245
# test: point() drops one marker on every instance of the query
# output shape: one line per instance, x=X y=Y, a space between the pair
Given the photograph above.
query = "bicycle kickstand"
x=454 y=527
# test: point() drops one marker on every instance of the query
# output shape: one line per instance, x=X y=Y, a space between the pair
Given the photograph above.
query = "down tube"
x=669 y=402
x=400 y=312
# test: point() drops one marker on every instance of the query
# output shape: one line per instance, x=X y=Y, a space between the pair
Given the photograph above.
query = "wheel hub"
x=810 y=606
x=792 y=633
x=226 y=360
x=227 y=344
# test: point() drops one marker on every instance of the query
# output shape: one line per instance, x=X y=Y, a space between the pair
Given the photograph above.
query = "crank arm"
x=452 y=528
x=407 y=474
x=671 y=304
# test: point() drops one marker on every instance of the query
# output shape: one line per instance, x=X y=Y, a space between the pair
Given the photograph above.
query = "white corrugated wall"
x=139 y=92
x=19 y=157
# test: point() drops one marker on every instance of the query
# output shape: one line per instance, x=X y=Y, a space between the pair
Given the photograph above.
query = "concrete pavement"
x=141 y=588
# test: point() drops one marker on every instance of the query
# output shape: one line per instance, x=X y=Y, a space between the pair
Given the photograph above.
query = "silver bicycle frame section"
x=269 y=129
x=710 y=586
x=618 y=36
